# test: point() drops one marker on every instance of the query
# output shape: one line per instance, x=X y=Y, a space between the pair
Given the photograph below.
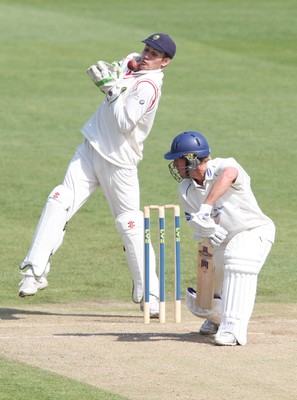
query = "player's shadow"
x=194 y=337
x=16 y=314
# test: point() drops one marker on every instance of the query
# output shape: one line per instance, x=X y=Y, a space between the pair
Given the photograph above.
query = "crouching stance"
x=219 y=204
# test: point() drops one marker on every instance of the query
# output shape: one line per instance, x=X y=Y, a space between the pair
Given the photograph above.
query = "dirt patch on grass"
x=108 y=346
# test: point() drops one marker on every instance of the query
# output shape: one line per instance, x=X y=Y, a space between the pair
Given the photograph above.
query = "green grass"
x=20 y=381
x=233 y=79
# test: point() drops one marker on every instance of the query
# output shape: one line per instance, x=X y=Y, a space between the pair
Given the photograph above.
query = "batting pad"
x=244 y=257
x=239 y=292
x=213 y=313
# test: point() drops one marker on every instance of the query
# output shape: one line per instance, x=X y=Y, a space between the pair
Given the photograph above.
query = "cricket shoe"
x=208 y=328
x=30 y=285
x=154 y=306
x=226 y=339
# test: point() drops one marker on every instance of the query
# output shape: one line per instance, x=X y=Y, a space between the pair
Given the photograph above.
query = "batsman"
x=219 y=205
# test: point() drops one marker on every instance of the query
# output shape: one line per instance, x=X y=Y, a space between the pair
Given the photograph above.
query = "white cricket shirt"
x=117 y=130
x=237 y=210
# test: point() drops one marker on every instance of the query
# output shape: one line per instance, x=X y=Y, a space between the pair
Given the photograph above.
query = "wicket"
x=147 y=241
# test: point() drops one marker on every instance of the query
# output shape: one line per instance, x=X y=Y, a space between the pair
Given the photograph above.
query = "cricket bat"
x=205 y=275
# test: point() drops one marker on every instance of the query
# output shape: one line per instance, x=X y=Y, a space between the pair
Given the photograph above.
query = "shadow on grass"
x=15 y=314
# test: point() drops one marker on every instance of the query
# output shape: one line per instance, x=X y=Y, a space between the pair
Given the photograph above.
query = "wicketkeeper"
x=239 y=232
x=108 y=159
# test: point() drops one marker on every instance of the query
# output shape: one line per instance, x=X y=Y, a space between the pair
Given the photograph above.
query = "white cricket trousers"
x=86 y=172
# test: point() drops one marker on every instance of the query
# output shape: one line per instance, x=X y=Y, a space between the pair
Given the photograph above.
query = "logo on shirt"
x=208 y=173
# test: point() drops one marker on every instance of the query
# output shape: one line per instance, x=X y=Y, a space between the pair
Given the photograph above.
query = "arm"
x=130 y=108
x=201 y=222
x=221 y=185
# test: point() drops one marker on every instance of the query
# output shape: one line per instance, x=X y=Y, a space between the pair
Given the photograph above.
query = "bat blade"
x=205 y=275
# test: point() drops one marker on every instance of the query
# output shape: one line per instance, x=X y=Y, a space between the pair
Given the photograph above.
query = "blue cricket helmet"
x=186 y=143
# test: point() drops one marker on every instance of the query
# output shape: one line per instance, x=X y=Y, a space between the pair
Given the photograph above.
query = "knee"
x=244 y=254
x=61 y=195
x=130 y=223
x=240 y=263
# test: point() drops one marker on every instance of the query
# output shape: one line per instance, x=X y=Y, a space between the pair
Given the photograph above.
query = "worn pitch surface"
x=108 y=346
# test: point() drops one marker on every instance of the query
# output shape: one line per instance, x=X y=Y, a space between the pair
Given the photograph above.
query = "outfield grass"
x=19 y=381
x=233 y=79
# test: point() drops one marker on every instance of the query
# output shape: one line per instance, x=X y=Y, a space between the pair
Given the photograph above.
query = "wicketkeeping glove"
x=217 y=238
x=106 y=77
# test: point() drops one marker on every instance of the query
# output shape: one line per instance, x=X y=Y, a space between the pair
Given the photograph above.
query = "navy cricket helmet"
x=188 y=143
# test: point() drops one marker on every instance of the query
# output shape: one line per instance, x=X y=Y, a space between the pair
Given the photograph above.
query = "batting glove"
x=201 y=221
x=204 y=210
x=204 y=227
x=217 y=238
